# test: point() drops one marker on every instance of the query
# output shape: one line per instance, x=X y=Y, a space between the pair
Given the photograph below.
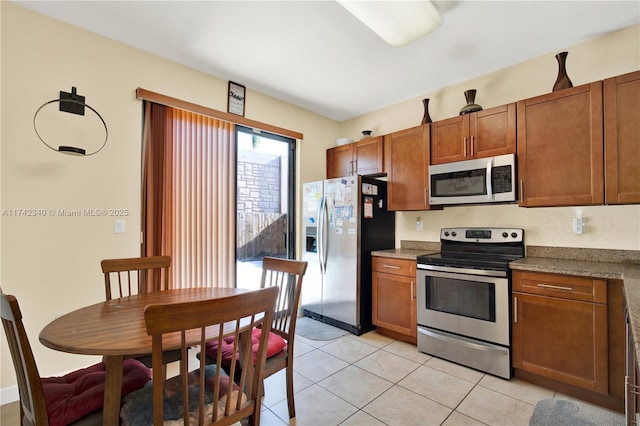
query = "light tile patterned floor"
x=374 y=380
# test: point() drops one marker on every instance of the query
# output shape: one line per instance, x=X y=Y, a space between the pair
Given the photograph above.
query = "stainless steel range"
x=464 y=294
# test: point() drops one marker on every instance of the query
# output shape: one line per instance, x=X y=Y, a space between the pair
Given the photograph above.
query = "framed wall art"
x=235 y=103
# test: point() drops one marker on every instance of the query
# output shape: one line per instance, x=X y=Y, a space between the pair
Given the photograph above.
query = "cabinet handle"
x=515 y=309
x=355 y=167
x=473 y=141
x=521 y=191
x=390 y=266
x=412 y=292
x=555 y=287
x=464 y=146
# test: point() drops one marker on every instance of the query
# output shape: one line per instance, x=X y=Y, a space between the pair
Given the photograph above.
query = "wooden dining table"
x=116 y=329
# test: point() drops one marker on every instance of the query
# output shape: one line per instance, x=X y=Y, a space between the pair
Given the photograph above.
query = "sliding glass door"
x=265 y=202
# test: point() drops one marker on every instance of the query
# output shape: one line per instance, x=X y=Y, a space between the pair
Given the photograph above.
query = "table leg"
x=112 y=390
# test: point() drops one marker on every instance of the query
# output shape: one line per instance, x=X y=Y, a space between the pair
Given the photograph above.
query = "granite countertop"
x=593 y=263
x=583 y=268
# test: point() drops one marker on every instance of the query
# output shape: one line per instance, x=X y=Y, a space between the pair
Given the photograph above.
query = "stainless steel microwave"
x=483 y=180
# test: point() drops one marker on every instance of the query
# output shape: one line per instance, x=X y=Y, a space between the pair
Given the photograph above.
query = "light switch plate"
x=118 y=227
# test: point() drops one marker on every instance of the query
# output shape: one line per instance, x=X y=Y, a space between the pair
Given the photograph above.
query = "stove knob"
x=454 y=233
x=514 y=235
x=505 y=235
x=446 y=233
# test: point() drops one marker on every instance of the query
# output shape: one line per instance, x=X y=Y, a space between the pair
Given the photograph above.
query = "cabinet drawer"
x=394 y=266
x=562 y=286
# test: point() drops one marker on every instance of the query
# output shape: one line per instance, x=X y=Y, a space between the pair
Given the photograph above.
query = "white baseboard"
x=9 y=394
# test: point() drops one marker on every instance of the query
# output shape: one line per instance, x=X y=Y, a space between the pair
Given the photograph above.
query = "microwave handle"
x=489 y=189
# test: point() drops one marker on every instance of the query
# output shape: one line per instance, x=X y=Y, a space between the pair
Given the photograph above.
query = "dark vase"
x=426 y=118
x=563 y=81
x=471 y=106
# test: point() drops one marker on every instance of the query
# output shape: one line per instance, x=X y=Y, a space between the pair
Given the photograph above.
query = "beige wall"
x=612 y=227
x=52 y=263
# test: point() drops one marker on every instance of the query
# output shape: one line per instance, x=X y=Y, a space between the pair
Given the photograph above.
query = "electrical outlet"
x=578 y=225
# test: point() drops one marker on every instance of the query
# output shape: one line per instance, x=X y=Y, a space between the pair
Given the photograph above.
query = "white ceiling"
x=316 y=55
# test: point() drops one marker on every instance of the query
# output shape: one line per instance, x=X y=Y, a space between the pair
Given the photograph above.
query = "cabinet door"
x=616 y=322
x=622 y=138
x=340 y=161
x=407 y=154
x=493 y=131
x=449 y=140
x=394 y=303
x=565 y=340
x=560 y=148
x=368 y=156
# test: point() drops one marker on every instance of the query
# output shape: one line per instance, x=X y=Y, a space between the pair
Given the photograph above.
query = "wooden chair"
x=207 y=394
x=76 y=398
x=286 y=275
x=135 y=275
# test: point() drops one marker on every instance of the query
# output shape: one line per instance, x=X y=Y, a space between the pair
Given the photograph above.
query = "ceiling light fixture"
x=396 y=22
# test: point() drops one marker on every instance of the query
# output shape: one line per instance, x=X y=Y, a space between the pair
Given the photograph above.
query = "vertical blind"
x=189 y=195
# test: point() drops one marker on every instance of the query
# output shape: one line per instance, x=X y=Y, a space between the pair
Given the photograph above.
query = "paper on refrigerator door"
x=368 y=208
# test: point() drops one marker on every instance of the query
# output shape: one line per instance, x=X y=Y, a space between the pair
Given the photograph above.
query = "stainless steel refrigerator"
x=344 y=219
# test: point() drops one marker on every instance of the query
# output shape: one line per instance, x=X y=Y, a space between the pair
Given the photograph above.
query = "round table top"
x=117 y=327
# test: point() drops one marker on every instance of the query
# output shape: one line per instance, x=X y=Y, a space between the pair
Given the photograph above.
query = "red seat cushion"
x=275 y=345
x=81 y=392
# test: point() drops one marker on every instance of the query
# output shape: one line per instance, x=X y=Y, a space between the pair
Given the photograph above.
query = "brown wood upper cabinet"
x=560 y=148
x=407 y=162
x=364 y=157
x=479 y=134
x=622 y=138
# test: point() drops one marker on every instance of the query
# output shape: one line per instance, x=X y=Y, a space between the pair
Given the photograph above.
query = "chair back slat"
x=287 y=275
x=235 y=316
x=124 y=277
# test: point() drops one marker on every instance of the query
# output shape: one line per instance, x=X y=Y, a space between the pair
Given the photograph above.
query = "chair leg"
x=290 y=400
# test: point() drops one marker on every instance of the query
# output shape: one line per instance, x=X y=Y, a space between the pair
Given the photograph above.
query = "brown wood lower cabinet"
x=394 y=298
x=568 y=334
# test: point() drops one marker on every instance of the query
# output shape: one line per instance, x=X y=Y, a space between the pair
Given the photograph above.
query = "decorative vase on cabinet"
x=471 y=106
x=426 y=118
x=563 y=81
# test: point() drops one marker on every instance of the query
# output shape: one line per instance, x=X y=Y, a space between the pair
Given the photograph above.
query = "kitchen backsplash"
x=420 y=245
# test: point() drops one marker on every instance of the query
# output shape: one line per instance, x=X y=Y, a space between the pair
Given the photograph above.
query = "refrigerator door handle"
x=322 y=218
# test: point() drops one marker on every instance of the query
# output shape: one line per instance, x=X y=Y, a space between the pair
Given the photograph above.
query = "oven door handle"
x=449 y=272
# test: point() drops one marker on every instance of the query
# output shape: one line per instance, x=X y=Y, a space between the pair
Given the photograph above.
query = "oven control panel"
x=482 y=235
